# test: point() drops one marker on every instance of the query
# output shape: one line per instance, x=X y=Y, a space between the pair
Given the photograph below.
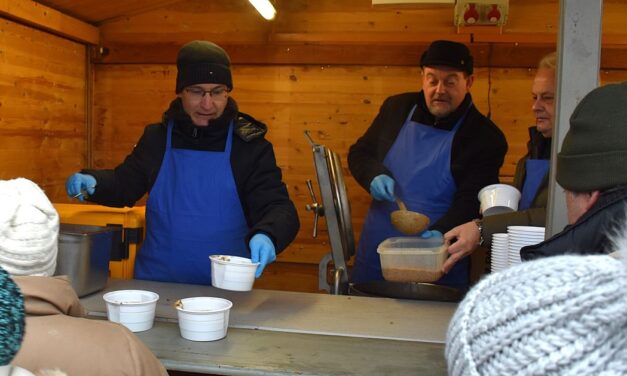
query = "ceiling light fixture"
x=265 y=8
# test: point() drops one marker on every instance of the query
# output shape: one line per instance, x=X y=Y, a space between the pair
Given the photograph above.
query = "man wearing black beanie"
x=432 y=149
x=213 y=182
x=592 y=169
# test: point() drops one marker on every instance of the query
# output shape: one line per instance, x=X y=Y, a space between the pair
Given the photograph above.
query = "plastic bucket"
x=498 y=198
x=134 y=309
x=232 y=272
x=203 y=318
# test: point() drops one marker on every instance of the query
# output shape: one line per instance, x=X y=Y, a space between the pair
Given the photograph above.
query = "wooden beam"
x=366 y=38
x=42 y=17
x=504 y=55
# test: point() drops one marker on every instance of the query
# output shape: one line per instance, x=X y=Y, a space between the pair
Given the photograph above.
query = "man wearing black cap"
x=214 y=186
x=433 y=150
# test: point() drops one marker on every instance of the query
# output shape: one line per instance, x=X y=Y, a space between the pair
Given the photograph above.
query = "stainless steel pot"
x=84 y=255
x=407 y=290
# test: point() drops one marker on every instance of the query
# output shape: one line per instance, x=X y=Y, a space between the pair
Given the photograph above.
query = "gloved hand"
x=261 y=251
x=382 y=188
x=79 y=183
x=431 y=234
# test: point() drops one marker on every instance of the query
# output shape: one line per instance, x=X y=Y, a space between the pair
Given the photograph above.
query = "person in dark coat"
x=531 y=176
x=432 y=149
x=213 y=182
x=592 y=169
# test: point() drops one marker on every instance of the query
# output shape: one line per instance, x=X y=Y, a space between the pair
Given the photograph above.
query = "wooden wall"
x=42 y=106
x=322 y=65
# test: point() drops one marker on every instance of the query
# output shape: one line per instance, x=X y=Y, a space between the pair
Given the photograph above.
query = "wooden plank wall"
x=322 y=65
x=42 y=106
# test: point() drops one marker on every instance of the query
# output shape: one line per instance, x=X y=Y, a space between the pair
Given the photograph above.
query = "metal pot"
x=407 y=290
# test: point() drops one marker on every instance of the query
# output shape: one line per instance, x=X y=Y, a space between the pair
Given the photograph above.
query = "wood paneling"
x=322 y=65
x=43 y=17
x=42 y=107
x=346 y=32
x=336 y=104
x=96 y=11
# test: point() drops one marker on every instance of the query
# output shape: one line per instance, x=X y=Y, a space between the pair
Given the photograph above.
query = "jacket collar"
x=423 y=116
x=539 y=147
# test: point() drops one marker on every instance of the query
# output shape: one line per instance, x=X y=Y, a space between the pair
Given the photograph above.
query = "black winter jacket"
x=538 y=147
x=477 y=154
x=263 y=195
x=591 y=233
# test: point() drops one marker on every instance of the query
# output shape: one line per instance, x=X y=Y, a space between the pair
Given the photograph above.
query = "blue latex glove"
x=431 y=234
x=261 y=251
x=77 y=184
x=382 y=188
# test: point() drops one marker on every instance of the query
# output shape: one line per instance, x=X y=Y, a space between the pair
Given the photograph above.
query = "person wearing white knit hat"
x=57 y=333
x=29 y=228
x=561 y=315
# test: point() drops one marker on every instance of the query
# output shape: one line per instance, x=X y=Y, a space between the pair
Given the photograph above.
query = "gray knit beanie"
x=11 y=318
x=562 y=315
x=202 y=62
x=594 y=152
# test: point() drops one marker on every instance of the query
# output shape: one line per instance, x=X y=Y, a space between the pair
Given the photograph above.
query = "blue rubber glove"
x=382 y=188
x=261 y=251
x=77 y=184
x=431 y=234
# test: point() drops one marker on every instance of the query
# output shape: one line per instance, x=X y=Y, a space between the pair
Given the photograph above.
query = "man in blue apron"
x=213 y=182
x=433 y=150
x=531 y=177
x=591 y=169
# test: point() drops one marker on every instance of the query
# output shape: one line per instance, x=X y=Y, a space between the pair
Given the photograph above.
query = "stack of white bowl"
x=522 y=236
x=500 y=252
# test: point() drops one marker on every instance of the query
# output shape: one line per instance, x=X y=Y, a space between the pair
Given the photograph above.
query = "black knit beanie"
x=594 y=153
x=449 y=54
x=202 y=62
x=11 y=318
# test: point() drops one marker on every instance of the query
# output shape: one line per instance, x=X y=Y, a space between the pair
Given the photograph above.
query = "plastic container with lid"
x=411 y=259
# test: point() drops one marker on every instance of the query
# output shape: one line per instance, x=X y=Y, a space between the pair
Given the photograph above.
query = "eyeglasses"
x=198 y=93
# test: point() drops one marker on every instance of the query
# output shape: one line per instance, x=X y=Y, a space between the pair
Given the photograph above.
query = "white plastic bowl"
x=232 y=272
x=203 y=318
x=498 y=198
x=134 y=309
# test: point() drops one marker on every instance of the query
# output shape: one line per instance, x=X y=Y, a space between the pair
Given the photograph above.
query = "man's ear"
x=469 y=81
x=592 y=199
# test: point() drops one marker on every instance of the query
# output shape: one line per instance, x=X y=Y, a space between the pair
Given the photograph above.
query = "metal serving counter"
x=281 y=333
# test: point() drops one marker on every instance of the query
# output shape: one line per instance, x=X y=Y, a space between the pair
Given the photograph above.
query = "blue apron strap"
x=536 y=170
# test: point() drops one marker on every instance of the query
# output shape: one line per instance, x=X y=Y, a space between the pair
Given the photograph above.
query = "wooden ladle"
x=408 y=222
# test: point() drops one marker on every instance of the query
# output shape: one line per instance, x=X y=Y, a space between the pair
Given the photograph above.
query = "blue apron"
x=536 y=170
x=193 y=211
x=420 y=161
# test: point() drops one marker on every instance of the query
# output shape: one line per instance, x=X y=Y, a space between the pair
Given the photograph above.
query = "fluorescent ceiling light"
x=265 y=8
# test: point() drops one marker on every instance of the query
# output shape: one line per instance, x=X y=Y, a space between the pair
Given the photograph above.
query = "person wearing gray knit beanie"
x=563 y=315
x=592 y=169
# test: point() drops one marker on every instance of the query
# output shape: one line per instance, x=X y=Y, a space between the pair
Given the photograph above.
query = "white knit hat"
x=563 y=315
x=29 y=229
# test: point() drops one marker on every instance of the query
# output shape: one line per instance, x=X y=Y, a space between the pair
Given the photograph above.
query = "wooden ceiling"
x=98 y=12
